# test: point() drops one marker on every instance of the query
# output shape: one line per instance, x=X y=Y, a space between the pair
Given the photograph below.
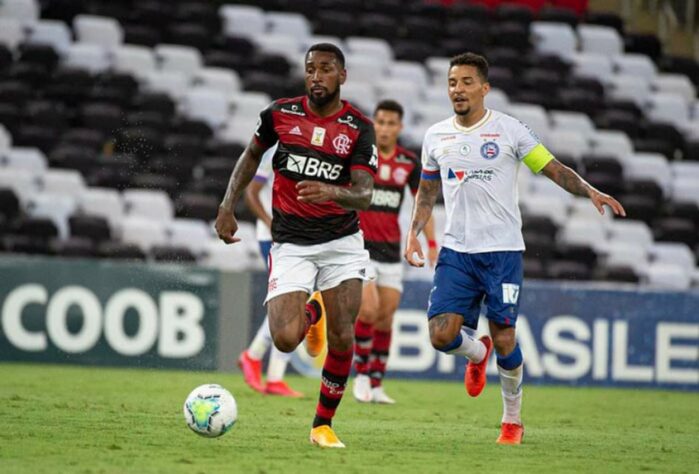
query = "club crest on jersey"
x=465 y=149
x=400 y=176
x=490 y=150
x=342 y=144
x=318 y=136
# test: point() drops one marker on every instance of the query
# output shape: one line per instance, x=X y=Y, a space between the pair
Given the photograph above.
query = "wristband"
x=432 y=244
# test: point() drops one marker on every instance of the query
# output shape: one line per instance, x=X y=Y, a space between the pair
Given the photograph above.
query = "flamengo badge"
x=342 y=144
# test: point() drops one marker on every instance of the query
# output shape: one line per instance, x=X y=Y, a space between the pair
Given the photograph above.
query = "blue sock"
x=458 y=340
x=512 y=360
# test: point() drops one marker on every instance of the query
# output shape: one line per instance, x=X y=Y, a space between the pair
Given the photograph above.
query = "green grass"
x=58 y=419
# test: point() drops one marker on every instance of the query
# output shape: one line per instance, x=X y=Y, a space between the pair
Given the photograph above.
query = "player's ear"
x=343 y=75
x=486 y=88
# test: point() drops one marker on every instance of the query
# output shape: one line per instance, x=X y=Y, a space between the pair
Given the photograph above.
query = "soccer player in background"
x=475 y=156
x=258 y=197
x=397 y=169
x=324 y=170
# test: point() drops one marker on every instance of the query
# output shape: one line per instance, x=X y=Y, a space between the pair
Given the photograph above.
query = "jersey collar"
x=476 y=125
x=336 y=115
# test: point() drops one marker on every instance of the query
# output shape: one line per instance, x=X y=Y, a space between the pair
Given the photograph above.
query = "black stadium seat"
x=121 y=251
x=161 y=253
x=197 y=206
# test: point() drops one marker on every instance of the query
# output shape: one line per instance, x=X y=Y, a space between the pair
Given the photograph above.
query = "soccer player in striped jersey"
x=474 y=156
x=398 y=168
x=324 y=170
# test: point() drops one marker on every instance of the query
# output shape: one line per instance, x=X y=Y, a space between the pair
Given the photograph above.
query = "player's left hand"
x=412 y=248
x=600 y=199
x=315 y=191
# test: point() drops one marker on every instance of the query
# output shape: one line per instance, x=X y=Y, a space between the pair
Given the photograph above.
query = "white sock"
x=511 y=383
x=262 y=341
x=471 y=348
x=276 y=366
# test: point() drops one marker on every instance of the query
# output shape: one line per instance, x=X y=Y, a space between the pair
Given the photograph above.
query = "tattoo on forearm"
x=241 y=176
x=424 y=202
x=357 y=196
x=567 y=178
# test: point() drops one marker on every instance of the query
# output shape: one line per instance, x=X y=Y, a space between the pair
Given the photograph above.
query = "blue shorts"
x=265 y=247
x=462 y=281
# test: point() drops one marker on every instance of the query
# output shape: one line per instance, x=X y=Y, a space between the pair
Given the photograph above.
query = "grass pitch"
x=60 y=419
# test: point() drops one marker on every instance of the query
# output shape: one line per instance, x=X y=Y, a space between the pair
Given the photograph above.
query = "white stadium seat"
x=5 y=139
x=611 y=142
x=98 y=30
x=90 y=57
x=24 y=10
x=673 y=252
x=243 y=20
x=143 y=232
x=543 y=206
x=217 y=254
x=558 y=39
x=11 y=32
x=102 y=202
x=25 y=183
x=582 y=231
x=438 y=67
x=635 y=64
x=593 y=65
x=649 y=166
x=668 y=107
x=572 y=121
x=52 y=33
x=565 y=142
x=626 y=254
x=31 y=159
x=496 y=100
x=667 y=276
x=249 y=104
x=56 y=207
x=404 y=91
x=630 y=231
x=222 y=79
x=172 y=83
x=360 y=94
x=148 y=204
x=190 y=233
x=410 y=70
x=68 y=182
x=543 y=186
x=600 y=39
x=282 y=44
x=287 y=23
x=532 y=115
x=583 y=208
x=675 y=84
x=377 y=49
x=628 y=87
x=206 y=104
x=138 y=61
x=364 y=68
x=685 y=169
x=685 y=189
x=184 y=59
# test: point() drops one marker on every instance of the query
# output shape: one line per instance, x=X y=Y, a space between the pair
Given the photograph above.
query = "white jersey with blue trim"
x=478 y=167
x=265 y=175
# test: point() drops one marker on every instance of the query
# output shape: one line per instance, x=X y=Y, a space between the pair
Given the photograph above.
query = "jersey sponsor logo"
x=510 y=293
x=464 y=176
x=294 y=111
x=313 y=167
x=490 y=150
x=450 y=137
x=385 y=172
x=318 y=136
x=348 y=121
x=400 y=175
x=374 y=161
x=296 y=131
x=342 y=144
x=257 y=127
x=465 y=149
x=490 y=135
x=385 y=198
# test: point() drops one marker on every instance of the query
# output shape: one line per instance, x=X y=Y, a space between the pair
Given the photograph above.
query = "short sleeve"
x=264 y=171
x=414 y=177
x=430 y=167
x=365 y=155
x=265 y=135
x=530 y=149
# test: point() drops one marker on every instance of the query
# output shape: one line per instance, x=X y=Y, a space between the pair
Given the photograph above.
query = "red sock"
x=362 y=346
x=379 y=356
x=336 y=369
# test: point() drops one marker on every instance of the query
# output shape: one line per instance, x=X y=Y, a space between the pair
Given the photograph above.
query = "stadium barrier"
x=182 y=316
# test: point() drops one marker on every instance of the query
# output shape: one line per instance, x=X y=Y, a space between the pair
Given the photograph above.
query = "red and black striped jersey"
x=315 y=148
x=380 y=222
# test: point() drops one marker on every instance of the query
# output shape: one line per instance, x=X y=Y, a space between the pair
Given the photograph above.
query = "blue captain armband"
x=429 y=174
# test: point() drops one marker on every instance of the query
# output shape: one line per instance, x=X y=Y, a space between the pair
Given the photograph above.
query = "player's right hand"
x=413 y=247
x=226 y=226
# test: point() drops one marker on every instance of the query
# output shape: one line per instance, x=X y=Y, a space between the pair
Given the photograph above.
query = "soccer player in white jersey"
x=258 y=197
x=475 y=156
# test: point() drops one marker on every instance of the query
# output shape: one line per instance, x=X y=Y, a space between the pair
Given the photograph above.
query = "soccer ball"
x=210 y=410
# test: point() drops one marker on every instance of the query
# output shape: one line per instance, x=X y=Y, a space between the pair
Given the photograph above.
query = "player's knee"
x=285 y=342
x=341 y=339
x=504 y=342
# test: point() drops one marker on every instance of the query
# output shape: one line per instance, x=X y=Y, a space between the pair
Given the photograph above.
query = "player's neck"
x=326 y=110
x=388 y=151
x=468 y=121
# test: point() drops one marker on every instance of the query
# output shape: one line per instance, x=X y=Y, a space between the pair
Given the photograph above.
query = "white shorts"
x=389 y=275
x=322 y=266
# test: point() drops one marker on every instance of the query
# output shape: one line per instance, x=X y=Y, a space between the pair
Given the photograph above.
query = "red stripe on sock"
x=379 y=356
x=362 y=346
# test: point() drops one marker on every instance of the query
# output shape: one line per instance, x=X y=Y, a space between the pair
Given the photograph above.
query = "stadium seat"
x=532 y=115
x=634 y=232
x=90 y=57
x=675 y=83
x=685 y=189
x=94 y=228
x=628 y=254
x=567 y=143
x=169 y=253
x=67 y=182
x=287 y=23
x=99 y=30
x=554 y=38
x=191 y=234
x=673 y=252
x=224 y=257
x=611 y=142
x=569 y=270
x=11 y=32
x=148 y=204
x=583 y=231
x=650 y=166
x=51 y=33
x=243 y=20
x=25 y=10
x=582 y=208
x=629 y=87
x=177 y=58
x=572 y=121
x=600 y=40
x=668 y=107
x=30 y=159
x=206 y=104
x=638 y=65
x=54 y=206
x=593 y=65
x=667 y=276
x=101 y=202
x=144 y=232
x=138 y=61
x=120 y=251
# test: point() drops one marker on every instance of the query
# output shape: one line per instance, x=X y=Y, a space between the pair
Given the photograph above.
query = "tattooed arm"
x=574 y=184
x=226 y=224
x=422 y=212
x=357 y=196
